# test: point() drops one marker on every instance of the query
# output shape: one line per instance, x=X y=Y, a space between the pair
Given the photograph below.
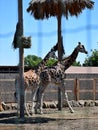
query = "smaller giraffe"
x=32 y=80
x=55 y=76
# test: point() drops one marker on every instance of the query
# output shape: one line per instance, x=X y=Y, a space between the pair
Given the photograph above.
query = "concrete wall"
x=86 y=82
x=7 y=87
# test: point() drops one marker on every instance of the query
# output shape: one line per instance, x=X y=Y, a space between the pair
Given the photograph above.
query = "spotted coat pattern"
x=56 y=75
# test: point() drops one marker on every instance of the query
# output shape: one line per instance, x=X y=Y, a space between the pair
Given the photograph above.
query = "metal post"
x=21 y=60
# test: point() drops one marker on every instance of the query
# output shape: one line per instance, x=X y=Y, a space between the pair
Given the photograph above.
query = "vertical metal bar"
x=40 y=41
x=21 y=60
x=88 y=28
x=94 y=89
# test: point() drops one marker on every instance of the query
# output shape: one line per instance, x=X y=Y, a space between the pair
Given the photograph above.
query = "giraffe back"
x=31 y=79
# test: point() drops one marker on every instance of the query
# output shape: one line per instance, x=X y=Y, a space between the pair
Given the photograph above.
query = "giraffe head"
x=81 y=48
x=52 y=55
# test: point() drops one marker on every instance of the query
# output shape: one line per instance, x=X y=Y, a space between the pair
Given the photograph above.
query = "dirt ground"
x=84 y=118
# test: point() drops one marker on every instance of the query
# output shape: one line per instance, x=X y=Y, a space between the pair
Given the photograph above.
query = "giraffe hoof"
x=41 y=112
x=38 y=112
x=72 y=111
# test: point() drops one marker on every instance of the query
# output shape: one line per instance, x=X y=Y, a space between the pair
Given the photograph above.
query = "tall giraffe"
x=32 y=80
x=55 y=76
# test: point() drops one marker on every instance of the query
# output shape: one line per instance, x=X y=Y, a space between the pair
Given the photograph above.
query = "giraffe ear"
x=79 y=43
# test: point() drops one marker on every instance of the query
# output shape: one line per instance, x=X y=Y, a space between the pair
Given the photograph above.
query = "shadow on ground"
x=12 y=118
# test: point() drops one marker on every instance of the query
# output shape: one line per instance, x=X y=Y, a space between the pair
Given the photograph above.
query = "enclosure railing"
x=90 y=88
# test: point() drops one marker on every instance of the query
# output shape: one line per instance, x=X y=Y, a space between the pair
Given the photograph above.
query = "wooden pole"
x=75 y=89
x=78 y=89
x=21 y=59
x=59 y=58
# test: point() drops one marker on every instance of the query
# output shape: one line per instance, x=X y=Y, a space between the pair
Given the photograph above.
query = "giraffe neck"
x=67 y=62
x=43 y=63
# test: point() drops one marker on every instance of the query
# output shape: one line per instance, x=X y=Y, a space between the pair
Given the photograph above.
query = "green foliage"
x=92 y=60
x=50 y=62
x=32 y=60
x=76 y=63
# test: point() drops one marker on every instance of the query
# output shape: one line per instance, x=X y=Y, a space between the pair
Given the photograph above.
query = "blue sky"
x=44 y=32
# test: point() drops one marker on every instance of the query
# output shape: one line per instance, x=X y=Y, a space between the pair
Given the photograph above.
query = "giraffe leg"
x=66 y=97
x=17 y=95
x=39 y=103
x=70 y=107
x=34 y=93
x=26 y=107
x=18 y=103
x=33 y=100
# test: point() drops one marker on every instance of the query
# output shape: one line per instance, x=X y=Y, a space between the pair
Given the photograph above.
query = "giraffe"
x=55 y=76
x=32 y=80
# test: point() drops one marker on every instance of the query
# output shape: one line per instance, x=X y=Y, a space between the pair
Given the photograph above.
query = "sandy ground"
x=84 y=118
